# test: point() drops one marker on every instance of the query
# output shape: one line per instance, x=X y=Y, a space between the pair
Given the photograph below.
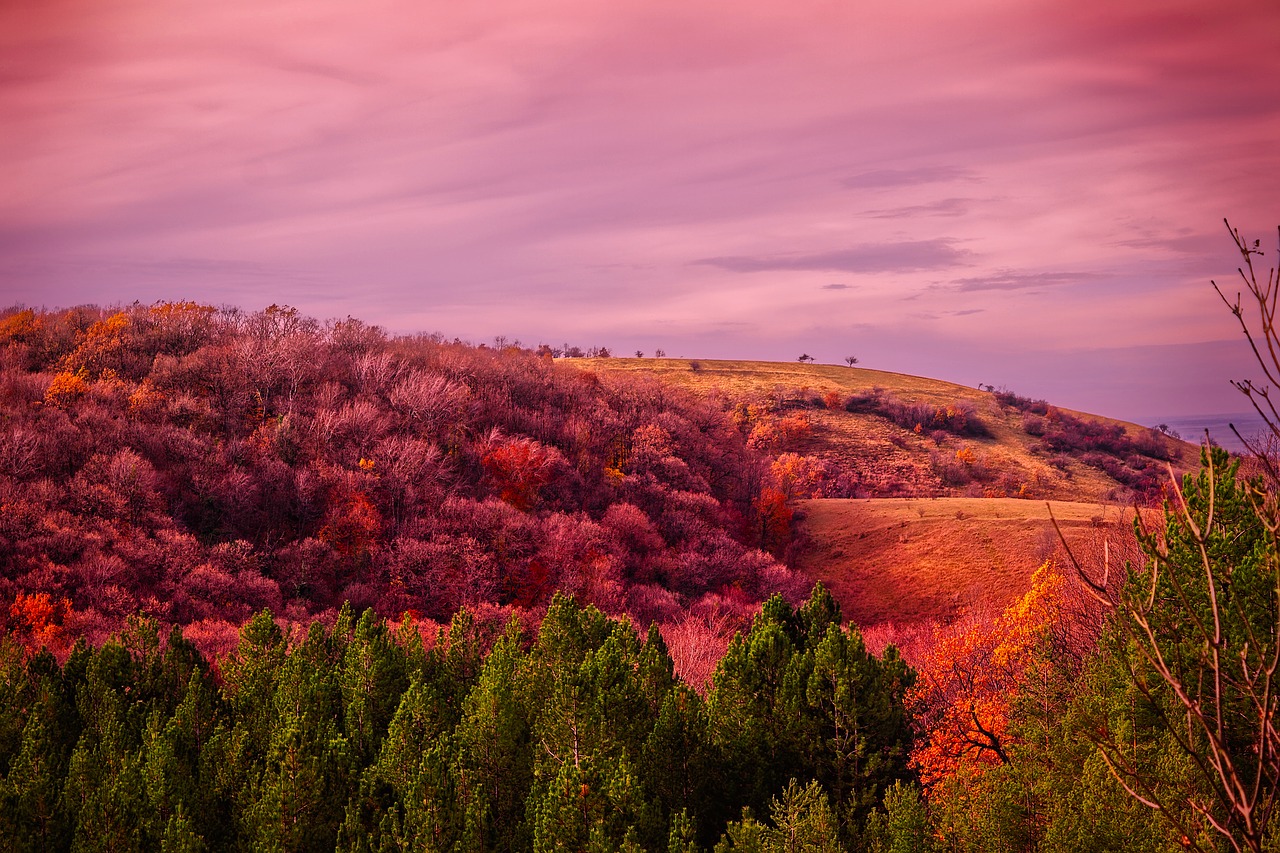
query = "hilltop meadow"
x=269 y=582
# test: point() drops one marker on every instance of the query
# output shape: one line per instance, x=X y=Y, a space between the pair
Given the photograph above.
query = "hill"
x=890 y=434
x=198 y=465
x=950 y=517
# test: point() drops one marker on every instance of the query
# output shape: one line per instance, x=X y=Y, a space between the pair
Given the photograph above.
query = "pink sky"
x=1020 y=193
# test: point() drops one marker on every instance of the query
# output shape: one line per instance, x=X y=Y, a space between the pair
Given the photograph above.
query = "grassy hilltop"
x=899 y=461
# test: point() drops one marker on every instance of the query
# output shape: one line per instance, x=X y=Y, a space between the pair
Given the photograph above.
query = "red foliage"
x=36 y=620
x=351 y=526
x=969 y=679
x=696 y=644
x=774 y=518
x=519 y=468
x=200 y=464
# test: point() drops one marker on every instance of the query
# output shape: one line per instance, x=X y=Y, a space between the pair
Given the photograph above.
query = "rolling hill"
x=896 y=461
x=913 y=546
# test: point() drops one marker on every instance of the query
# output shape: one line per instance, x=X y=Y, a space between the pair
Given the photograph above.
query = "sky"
x=1023 y=193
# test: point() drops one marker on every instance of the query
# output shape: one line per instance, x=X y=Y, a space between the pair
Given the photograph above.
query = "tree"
x=850 y=360
x=802 y=823
x=1197 y=645
x=1198 y=627
x=969 y=680
x=804 y=356
x=518 y=467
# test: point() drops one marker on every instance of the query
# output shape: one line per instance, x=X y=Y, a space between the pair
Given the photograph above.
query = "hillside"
x=898 y=565
x=880 y=458
x=909 y=528
x=198 y=465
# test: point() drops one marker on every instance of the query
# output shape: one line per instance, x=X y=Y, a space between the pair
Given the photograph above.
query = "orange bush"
x=969 y=679
x=37 y=620
x=66 y=387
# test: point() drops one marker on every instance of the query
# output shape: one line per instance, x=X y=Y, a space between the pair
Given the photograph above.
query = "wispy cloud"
x=910 y=256
x=836 y=287
x=1010 y=280
x=1185 y=244
x=943 y=207
x=880 y=178
x=938 y=315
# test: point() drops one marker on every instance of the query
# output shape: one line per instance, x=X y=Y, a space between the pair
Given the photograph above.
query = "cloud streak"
x=1010 y=280
x=942 y=207
x=909 y=256
x=895 y=178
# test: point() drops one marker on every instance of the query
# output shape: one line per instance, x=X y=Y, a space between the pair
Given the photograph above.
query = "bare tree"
x=851 y=360
x=1264 y=340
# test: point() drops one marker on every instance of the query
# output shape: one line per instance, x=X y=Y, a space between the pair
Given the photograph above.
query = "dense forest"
x=199 y=465
x=276 y=584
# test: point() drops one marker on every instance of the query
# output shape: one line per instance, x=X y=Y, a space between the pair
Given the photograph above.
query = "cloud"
x=944 y=207
x=879 y=178
x=1010 y=280
x=1185 y=244
x=938 y=315
x=836 y=287
x=909 y=256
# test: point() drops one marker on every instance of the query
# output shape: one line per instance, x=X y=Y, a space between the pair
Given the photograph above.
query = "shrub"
x=955 y=418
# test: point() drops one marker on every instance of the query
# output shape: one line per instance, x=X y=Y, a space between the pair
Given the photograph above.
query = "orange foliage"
x=798 y=476
x=746 y=415
x=832 y=400
x=182 y=314
x=969 y=679
x=21 y=326
x=66 y=387
x=104 y=338
x=146 y=399
x=37 y=620
x=770 y=433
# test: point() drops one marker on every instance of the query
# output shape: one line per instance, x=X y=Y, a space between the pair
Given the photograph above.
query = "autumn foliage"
x=198 y=464
x=970 y=677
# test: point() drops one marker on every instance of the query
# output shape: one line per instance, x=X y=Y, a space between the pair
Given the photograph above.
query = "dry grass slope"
x=900 y=565
x=911 y=562
x=897 y=461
